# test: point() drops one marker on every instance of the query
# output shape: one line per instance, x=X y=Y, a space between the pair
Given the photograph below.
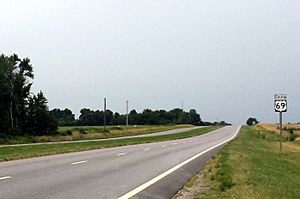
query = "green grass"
x=100 y=129
x=20 y=152
x=70 y=133
x=251 y=167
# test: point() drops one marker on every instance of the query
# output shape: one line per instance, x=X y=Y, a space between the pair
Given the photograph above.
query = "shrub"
x=116 y=128
x=212 y=177
x=106 y=130
x=226 y=183
x=82 y=131
x=68 y=132
x=292 y=137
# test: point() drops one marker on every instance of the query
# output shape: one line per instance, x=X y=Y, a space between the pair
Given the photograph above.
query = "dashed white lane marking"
x=159 y=177
x=5 y=177
x=175 y=143
x=163 y=146
x=80 y=162
x=147 y=149
x=121 y=154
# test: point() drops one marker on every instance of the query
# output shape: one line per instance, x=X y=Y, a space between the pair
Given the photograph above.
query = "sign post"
x=280 y=126
x=280 y=105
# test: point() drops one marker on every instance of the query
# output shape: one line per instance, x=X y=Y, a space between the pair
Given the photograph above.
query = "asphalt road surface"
x=154 y=170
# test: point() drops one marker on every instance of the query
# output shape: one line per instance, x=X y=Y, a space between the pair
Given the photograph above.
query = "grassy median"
x=72 y=133
x=20 y=152
x=250 y=167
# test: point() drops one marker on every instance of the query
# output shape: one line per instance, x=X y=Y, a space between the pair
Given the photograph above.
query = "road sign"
x=280 y=102
x=280 y=105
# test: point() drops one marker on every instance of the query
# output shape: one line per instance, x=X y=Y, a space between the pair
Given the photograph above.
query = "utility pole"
x=127 y=113
x=104 y=115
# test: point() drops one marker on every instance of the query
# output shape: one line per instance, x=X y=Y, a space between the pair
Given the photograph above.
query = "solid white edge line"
x=159 y=177
x=5 y=177
x=80 y=162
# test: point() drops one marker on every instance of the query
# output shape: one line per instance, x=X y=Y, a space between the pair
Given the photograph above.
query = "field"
x=20 y=152
x=249 y=167
x=92 y=132
x=286 y=132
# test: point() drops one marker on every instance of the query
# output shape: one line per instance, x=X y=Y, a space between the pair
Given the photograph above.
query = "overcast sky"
x=225 y=58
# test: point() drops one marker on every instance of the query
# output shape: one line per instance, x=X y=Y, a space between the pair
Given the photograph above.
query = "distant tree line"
x=90 y=117
x=24 y=113
x=221 y=123
x=147 y=117
x=21 y=112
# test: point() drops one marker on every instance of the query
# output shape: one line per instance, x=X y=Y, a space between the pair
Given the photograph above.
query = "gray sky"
x=224 y=58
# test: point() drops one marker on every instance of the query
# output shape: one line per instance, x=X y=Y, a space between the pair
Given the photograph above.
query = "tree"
x=5 y=97
x=147 y=117
x=177 y=112
x=194 y=117
x=15 y=81
x=133 y=117
x=252 y=121
x=118 y=119
x=84 y=117
x=16 y=105
x=64 y=117
x=39 y=121
x=109 y=116
x=92 y=118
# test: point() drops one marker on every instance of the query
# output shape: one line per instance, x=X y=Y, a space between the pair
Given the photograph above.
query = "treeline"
x=21 y=112
x=90 y=117
x=147 y=117
x=24 y=113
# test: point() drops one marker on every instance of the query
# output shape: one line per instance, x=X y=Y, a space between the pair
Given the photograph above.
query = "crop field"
x=287 y=128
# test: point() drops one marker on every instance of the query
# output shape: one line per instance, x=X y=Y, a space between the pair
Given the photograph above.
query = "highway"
x=153 y=170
